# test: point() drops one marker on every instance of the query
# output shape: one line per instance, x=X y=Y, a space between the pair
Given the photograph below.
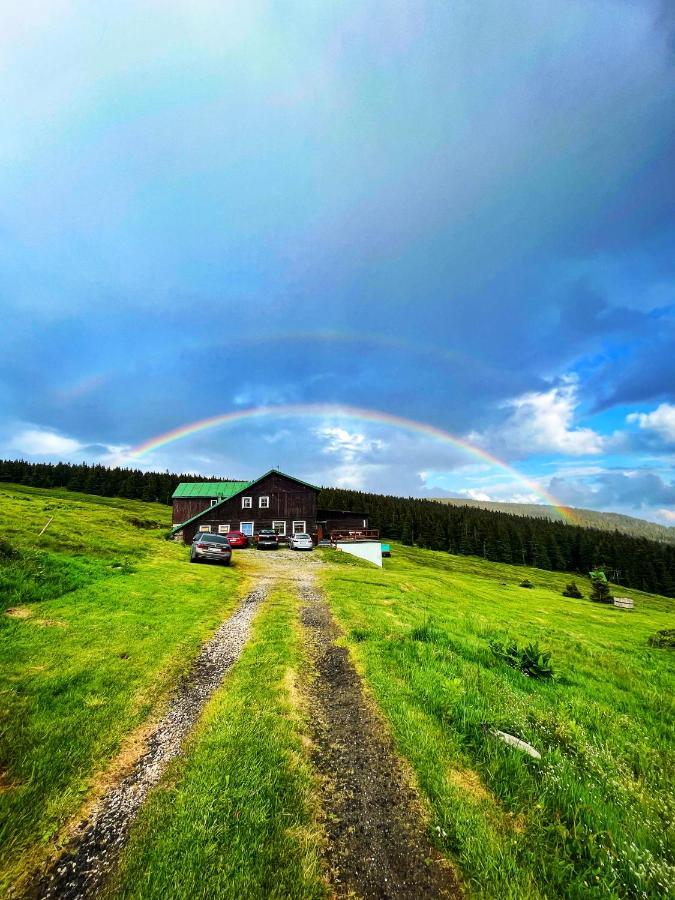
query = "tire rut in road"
x=377 y=844
x=90 y=855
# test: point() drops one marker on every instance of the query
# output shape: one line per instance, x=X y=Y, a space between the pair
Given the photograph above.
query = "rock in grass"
x=516 y=742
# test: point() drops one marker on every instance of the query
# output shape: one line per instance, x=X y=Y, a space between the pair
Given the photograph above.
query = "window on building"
x=223 y=529
x=214 y=501
x=246 y=528
x=264 y=502
x=299 y=527
x=247 y=502
x=205 y=528
x=279 y=527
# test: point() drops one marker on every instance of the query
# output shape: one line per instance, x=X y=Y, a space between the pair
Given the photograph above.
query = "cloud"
x=241 y=204
x=661 y=421
x=632 y=492
x=668 y=515
x=41 y=442
x=349 y=445
x=475 y=494
x=541 y=422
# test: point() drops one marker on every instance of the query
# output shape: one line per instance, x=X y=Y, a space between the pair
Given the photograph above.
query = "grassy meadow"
x=594 y=816
x=101 y=615
x=233 y=817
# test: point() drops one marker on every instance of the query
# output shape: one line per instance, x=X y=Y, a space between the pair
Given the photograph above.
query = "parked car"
x=301 y=542
x=207 y=546
x=238 y=540
x=267 y=540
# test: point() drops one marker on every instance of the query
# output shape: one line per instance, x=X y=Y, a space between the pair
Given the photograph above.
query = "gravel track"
x=377 y=844
x=83 y=866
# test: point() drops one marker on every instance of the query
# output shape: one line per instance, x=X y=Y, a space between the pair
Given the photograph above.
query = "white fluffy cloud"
x=661 y=421
x=350 y=445
x=542 y=422
x=39 y=441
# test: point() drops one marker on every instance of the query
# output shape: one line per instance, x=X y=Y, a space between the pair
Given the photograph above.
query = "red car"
x=238 y=540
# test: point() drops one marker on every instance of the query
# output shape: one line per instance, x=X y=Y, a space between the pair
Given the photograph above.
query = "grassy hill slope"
x=591 y=817
x=607 y=521
x=100 y=615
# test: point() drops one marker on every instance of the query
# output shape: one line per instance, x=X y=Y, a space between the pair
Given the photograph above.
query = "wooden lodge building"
x=275 y=500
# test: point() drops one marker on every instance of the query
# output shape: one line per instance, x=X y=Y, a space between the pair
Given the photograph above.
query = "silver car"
x=301 y=542
x=207 y=546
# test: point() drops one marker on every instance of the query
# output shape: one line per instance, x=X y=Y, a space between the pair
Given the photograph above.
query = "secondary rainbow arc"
x=354 y=412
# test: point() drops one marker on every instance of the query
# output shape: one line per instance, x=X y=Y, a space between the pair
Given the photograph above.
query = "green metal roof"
x=220 y=489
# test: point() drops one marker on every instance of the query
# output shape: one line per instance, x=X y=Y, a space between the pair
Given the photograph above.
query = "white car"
x=301 y=542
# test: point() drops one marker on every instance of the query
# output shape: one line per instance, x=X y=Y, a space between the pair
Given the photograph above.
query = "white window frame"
x=247 y=502
x=263 y=502
x=213 y=501
x=223 y=529
x=243 y=530
x=205 y=528
x=279 y=522
x=302 y=530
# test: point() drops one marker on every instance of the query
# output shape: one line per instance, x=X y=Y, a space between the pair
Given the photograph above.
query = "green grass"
x=234 y=816
x=594 y=816
x=103 y=617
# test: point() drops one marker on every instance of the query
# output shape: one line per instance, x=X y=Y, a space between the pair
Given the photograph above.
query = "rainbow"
x=352 y=412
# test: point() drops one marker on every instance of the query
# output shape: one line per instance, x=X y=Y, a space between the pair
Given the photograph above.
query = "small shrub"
x=507 y=652
x=573 y=591
x=526 y=583
x=664 y=638
x=529 y=660
x=535 y=662
x=600 y=592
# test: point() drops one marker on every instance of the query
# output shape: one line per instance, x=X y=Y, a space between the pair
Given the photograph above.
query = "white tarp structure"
x=368 y=550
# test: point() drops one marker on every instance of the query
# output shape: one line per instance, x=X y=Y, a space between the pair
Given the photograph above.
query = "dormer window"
x=247 y=502
x=214 y=501
x=264 y=502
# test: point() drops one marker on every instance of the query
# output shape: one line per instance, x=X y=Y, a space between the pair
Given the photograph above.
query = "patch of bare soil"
x=92 y=851
x=377 y=842
x=18 y=612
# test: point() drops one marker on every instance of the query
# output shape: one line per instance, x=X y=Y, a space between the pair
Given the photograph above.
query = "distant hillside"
x=607 y=521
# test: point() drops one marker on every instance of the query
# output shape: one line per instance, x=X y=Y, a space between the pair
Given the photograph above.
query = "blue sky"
x=460 y=214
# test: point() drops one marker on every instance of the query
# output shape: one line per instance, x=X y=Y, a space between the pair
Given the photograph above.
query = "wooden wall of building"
x=289 y=501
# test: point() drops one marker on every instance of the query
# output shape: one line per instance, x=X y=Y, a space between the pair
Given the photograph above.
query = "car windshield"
x=213 y=538
x=301 y=537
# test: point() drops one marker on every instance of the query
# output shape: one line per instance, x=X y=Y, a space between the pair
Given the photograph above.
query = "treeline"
x=153 y=487
x=502 y=537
